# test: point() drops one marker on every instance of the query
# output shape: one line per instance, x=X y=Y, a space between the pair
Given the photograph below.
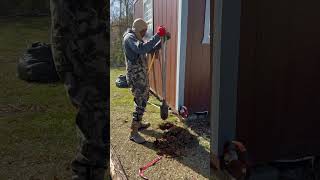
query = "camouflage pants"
x=80 y=51
x=139 y=82
x=89 y=97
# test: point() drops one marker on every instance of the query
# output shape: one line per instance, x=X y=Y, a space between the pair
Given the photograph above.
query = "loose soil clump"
x=175 y=140
x=165 y=126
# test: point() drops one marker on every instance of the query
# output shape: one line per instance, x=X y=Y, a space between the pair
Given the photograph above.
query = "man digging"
x=135 y=50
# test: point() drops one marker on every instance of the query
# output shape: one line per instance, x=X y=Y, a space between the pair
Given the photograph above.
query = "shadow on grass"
x=200 y=126
x=152 y=133
x=191 y=159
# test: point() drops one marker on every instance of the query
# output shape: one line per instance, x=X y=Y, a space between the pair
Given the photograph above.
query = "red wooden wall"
x=197 y=78
x=278 y=95
x=165 y=13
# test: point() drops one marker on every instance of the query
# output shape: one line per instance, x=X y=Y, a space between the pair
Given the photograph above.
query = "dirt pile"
x=175 y=140
x=165 y=126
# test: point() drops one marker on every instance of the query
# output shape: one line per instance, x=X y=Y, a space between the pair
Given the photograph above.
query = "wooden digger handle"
x=152 y=61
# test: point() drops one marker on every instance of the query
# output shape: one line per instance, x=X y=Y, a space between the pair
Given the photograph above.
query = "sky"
x=114 y=8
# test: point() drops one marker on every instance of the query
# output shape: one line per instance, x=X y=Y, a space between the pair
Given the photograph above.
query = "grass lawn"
x=37 y=131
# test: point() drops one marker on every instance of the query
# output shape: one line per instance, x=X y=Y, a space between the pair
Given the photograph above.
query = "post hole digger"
x=164 y=108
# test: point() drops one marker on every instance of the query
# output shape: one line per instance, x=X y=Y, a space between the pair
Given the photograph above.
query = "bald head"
x=140 y=27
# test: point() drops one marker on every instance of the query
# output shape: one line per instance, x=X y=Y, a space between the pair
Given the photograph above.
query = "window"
x=148 y=16
x=206 y=32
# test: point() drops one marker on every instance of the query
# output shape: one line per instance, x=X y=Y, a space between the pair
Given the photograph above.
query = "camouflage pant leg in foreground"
x=91 y=121
x=80 y=50
x=140 y=89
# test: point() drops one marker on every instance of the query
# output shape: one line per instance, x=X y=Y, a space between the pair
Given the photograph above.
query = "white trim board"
x=215 y=84
x=225 y=73
x=134 y=5
x=206 y=29
x=181 y=51
x=134 y=2
x=150 y=18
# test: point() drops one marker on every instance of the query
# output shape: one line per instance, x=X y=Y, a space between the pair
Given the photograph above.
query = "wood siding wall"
x=278 y=93
x=197 y=79
x=165 y=13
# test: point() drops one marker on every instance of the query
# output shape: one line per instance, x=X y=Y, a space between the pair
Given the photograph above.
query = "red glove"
x=161 y=31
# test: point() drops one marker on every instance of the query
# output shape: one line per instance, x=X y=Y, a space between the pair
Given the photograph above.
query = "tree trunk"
x=127 y=13
x=120 y=19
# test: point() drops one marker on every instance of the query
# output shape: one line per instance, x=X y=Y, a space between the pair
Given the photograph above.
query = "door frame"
x=181 y=51
x=224 y=72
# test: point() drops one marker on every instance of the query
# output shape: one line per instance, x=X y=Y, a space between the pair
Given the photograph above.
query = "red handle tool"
x=142 y=169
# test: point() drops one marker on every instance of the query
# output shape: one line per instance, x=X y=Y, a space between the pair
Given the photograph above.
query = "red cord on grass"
x=142 y=169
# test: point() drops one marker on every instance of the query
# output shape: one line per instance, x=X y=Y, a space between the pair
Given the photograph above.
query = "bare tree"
x=121 y=19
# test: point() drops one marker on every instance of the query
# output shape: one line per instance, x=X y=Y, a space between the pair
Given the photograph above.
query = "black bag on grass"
x=121 y=82
x=36 y=64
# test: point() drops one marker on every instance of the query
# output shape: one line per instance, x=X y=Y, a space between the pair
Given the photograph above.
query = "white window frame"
x=148 y=17
x=206 y=31
x=181 y=51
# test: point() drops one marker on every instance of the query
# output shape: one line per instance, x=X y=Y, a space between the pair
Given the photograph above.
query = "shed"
x=188 y=54
x=265 y=77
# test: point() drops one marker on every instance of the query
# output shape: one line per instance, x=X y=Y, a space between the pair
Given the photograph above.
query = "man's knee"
x=140 y=101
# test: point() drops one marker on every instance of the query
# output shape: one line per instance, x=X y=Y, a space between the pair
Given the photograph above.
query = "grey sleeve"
x=140 y=47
